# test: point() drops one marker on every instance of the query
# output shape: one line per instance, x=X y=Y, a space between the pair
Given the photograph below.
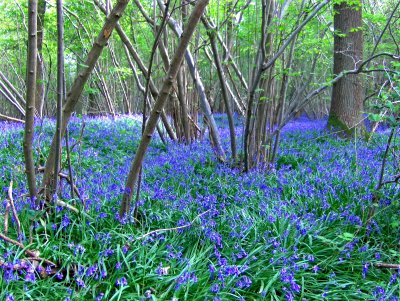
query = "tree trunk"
x=30 y=98
x=39 y=99
x=347 y=93
x=159 y=104
x=223 y=83
x=60 y=91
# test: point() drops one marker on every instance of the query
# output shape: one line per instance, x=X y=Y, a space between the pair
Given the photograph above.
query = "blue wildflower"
x=121 y=282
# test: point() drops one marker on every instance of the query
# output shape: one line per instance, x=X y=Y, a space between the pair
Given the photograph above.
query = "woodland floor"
x=298 y=232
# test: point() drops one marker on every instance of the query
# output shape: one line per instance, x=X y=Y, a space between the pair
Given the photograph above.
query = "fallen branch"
x=14 y=210
x=26 y=263
x=8 y=118
x=33 y=255
x=383 y=265
x=173 y=229
x=66 y=205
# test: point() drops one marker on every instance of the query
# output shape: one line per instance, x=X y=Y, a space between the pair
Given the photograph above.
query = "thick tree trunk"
x=159 y=104
x=77 y=87
x=347 y=93
x=30 y=98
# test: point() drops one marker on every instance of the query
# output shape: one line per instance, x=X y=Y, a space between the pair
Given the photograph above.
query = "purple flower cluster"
x=257 y=225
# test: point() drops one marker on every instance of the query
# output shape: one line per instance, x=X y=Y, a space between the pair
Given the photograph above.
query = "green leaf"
x=347 y=236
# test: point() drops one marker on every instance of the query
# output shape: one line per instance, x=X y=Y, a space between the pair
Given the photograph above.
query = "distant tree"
x=347 y=93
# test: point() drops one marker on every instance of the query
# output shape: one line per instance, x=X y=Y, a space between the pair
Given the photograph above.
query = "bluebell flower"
x=125 y=249
x=365 y=270
x=147 y=294
x=79 y=249
x=30 y=277
x=289 y=296
x=10 y=297
x=393 y=279
x=65 y=221
x=91 y=270
x=80 y=282
x=121 y=281
x=215 y=288
x=100 y=296
x=244 y=282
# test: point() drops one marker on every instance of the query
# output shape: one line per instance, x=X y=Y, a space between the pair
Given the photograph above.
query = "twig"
x=68 y=206
x=383 y=265
x=14 y=210
x=172 y=229
x=396 y=180
x=79 y=141
x=194 y=123
x=70 y=182
x=7 y=211
x=72 y=208
x=68 y=179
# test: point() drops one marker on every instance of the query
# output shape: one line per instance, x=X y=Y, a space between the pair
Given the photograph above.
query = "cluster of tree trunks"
x=267 y=109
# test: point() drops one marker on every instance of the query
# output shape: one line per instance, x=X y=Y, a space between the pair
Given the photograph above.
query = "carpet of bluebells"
x=297 y=232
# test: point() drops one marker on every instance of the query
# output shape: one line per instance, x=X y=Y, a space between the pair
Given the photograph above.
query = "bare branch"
x=8 y=118
x=173 y=229
x=383 y=265
x=11 y=202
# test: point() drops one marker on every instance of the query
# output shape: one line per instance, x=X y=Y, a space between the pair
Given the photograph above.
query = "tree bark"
x=79 y=83
x=347 y=93
x=159 y=104
x=223 y=83
x=60 y=91
x=30 y=98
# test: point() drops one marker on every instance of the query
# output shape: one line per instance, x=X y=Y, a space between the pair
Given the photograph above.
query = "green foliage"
x=386 y=108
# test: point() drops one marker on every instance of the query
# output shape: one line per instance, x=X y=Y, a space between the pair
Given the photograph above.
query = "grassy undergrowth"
x=295 y=233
